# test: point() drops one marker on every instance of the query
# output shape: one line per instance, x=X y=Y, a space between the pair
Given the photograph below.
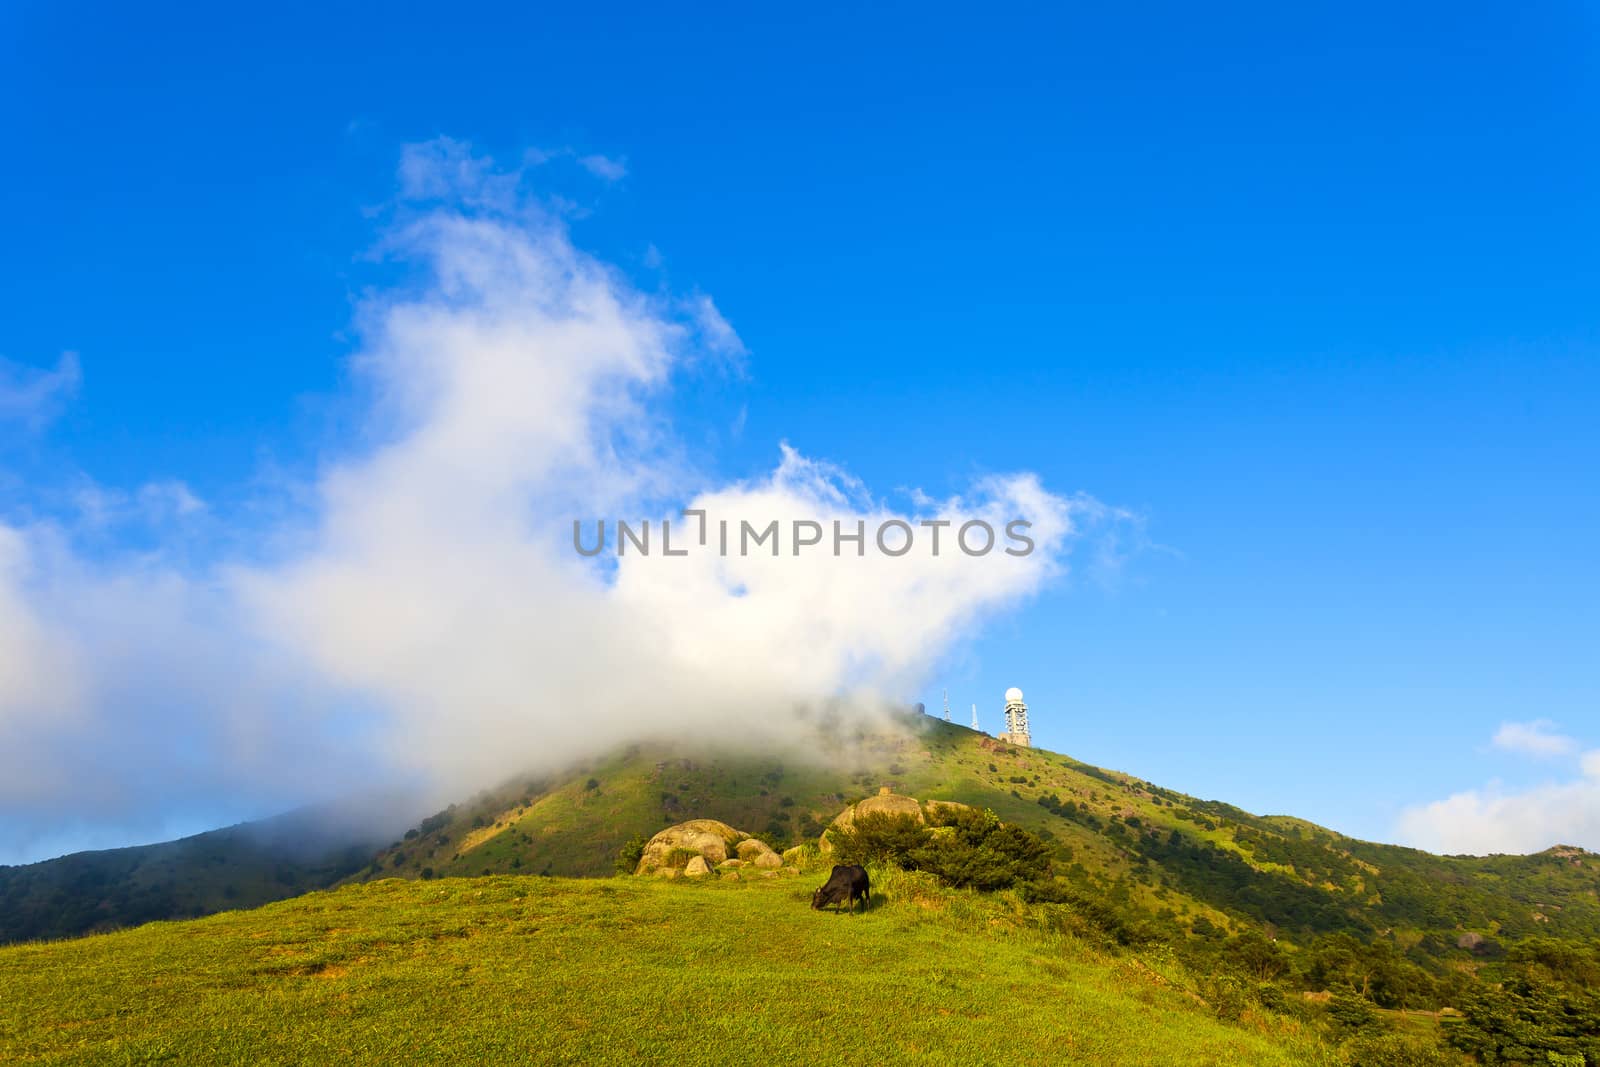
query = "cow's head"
x=820 y=898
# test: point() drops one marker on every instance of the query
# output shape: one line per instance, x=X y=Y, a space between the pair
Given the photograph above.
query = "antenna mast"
x=974 y=716
x=947 y=705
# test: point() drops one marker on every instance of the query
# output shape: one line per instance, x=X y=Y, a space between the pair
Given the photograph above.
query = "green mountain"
x=1165 y=928
x=236 y=867
x=1157 y=864
x=1157 y=858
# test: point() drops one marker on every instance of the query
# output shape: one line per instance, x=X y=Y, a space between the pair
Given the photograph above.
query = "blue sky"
x=1312 y=294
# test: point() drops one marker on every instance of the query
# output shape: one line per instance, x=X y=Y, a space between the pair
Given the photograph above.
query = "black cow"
x=845 y=883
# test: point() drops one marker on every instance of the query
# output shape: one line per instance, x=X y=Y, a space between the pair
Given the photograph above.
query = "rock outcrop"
x=702 y=847
x=706 y=838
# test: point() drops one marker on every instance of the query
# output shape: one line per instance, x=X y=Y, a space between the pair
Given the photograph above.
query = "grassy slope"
x=1233 y=868
x=621 y=971
x=1230 y=866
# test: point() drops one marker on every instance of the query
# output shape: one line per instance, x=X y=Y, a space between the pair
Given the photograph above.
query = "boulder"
x=730 y=865
x=707 y=838
x=947 y=805
x=696 y=868
x=768 y=860
x=752 y=848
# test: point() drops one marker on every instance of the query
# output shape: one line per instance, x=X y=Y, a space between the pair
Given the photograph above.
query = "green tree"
x=630 y=854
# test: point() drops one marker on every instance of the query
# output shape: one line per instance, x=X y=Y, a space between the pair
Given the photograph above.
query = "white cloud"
x=1536 y=738
x=447 y=169
x=1492 y=819
x=597 y=165
x=604 y=167
x=33 y=396
x=715 y=332
x=428 y=613
x=1497 y=819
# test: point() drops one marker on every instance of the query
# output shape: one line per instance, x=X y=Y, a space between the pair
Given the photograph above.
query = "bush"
x=678 y=857
x=1226 y=996
x=962 y=847
x=1352 y=1014
x=879 y=838
x=1395 y=1050
x=981 y=852
x=629 y=855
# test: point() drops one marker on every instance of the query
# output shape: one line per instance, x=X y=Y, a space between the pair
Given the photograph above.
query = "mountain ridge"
x=1162 y=859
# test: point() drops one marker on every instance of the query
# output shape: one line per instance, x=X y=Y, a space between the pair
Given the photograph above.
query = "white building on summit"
x=1016 y=720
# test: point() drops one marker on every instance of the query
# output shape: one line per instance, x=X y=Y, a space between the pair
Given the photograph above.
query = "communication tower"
x=1016 y=720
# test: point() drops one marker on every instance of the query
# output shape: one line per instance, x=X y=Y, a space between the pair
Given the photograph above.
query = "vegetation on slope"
x=1271 y=909
x=519 y=969
x=1163 y=857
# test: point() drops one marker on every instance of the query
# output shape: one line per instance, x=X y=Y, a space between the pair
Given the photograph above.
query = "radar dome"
x=1013 y=695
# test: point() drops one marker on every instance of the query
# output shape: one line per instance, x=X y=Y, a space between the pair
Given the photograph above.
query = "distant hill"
x=237 y=867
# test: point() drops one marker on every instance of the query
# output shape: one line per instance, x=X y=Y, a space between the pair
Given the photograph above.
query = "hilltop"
x=1158 y=863
x=1173 y=862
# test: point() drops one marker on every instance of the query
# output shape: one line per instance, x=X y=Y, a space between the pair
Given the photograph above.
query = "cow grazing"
x=844 y=884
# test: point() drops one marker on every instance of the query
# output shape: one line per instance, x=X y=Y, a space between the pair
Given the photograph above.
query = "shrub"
x=962 y=847
x=678 y=857
x=981 y=852
x=879 y=838
x=1396 y=1050
x=1226 y=996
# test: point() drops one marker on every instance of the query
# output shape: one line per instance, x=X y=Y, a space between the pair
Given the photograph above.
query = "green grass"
x=620 y=971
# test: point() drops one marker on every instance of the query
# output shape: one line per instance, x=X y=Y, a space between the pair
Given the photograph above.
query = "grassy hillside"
x=1146 y=850
x=1146 y=864
x=521 y=969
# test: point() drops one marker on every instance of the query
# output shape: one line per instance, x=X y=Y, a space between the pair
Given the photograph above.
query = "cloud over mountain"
x=425 y=613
